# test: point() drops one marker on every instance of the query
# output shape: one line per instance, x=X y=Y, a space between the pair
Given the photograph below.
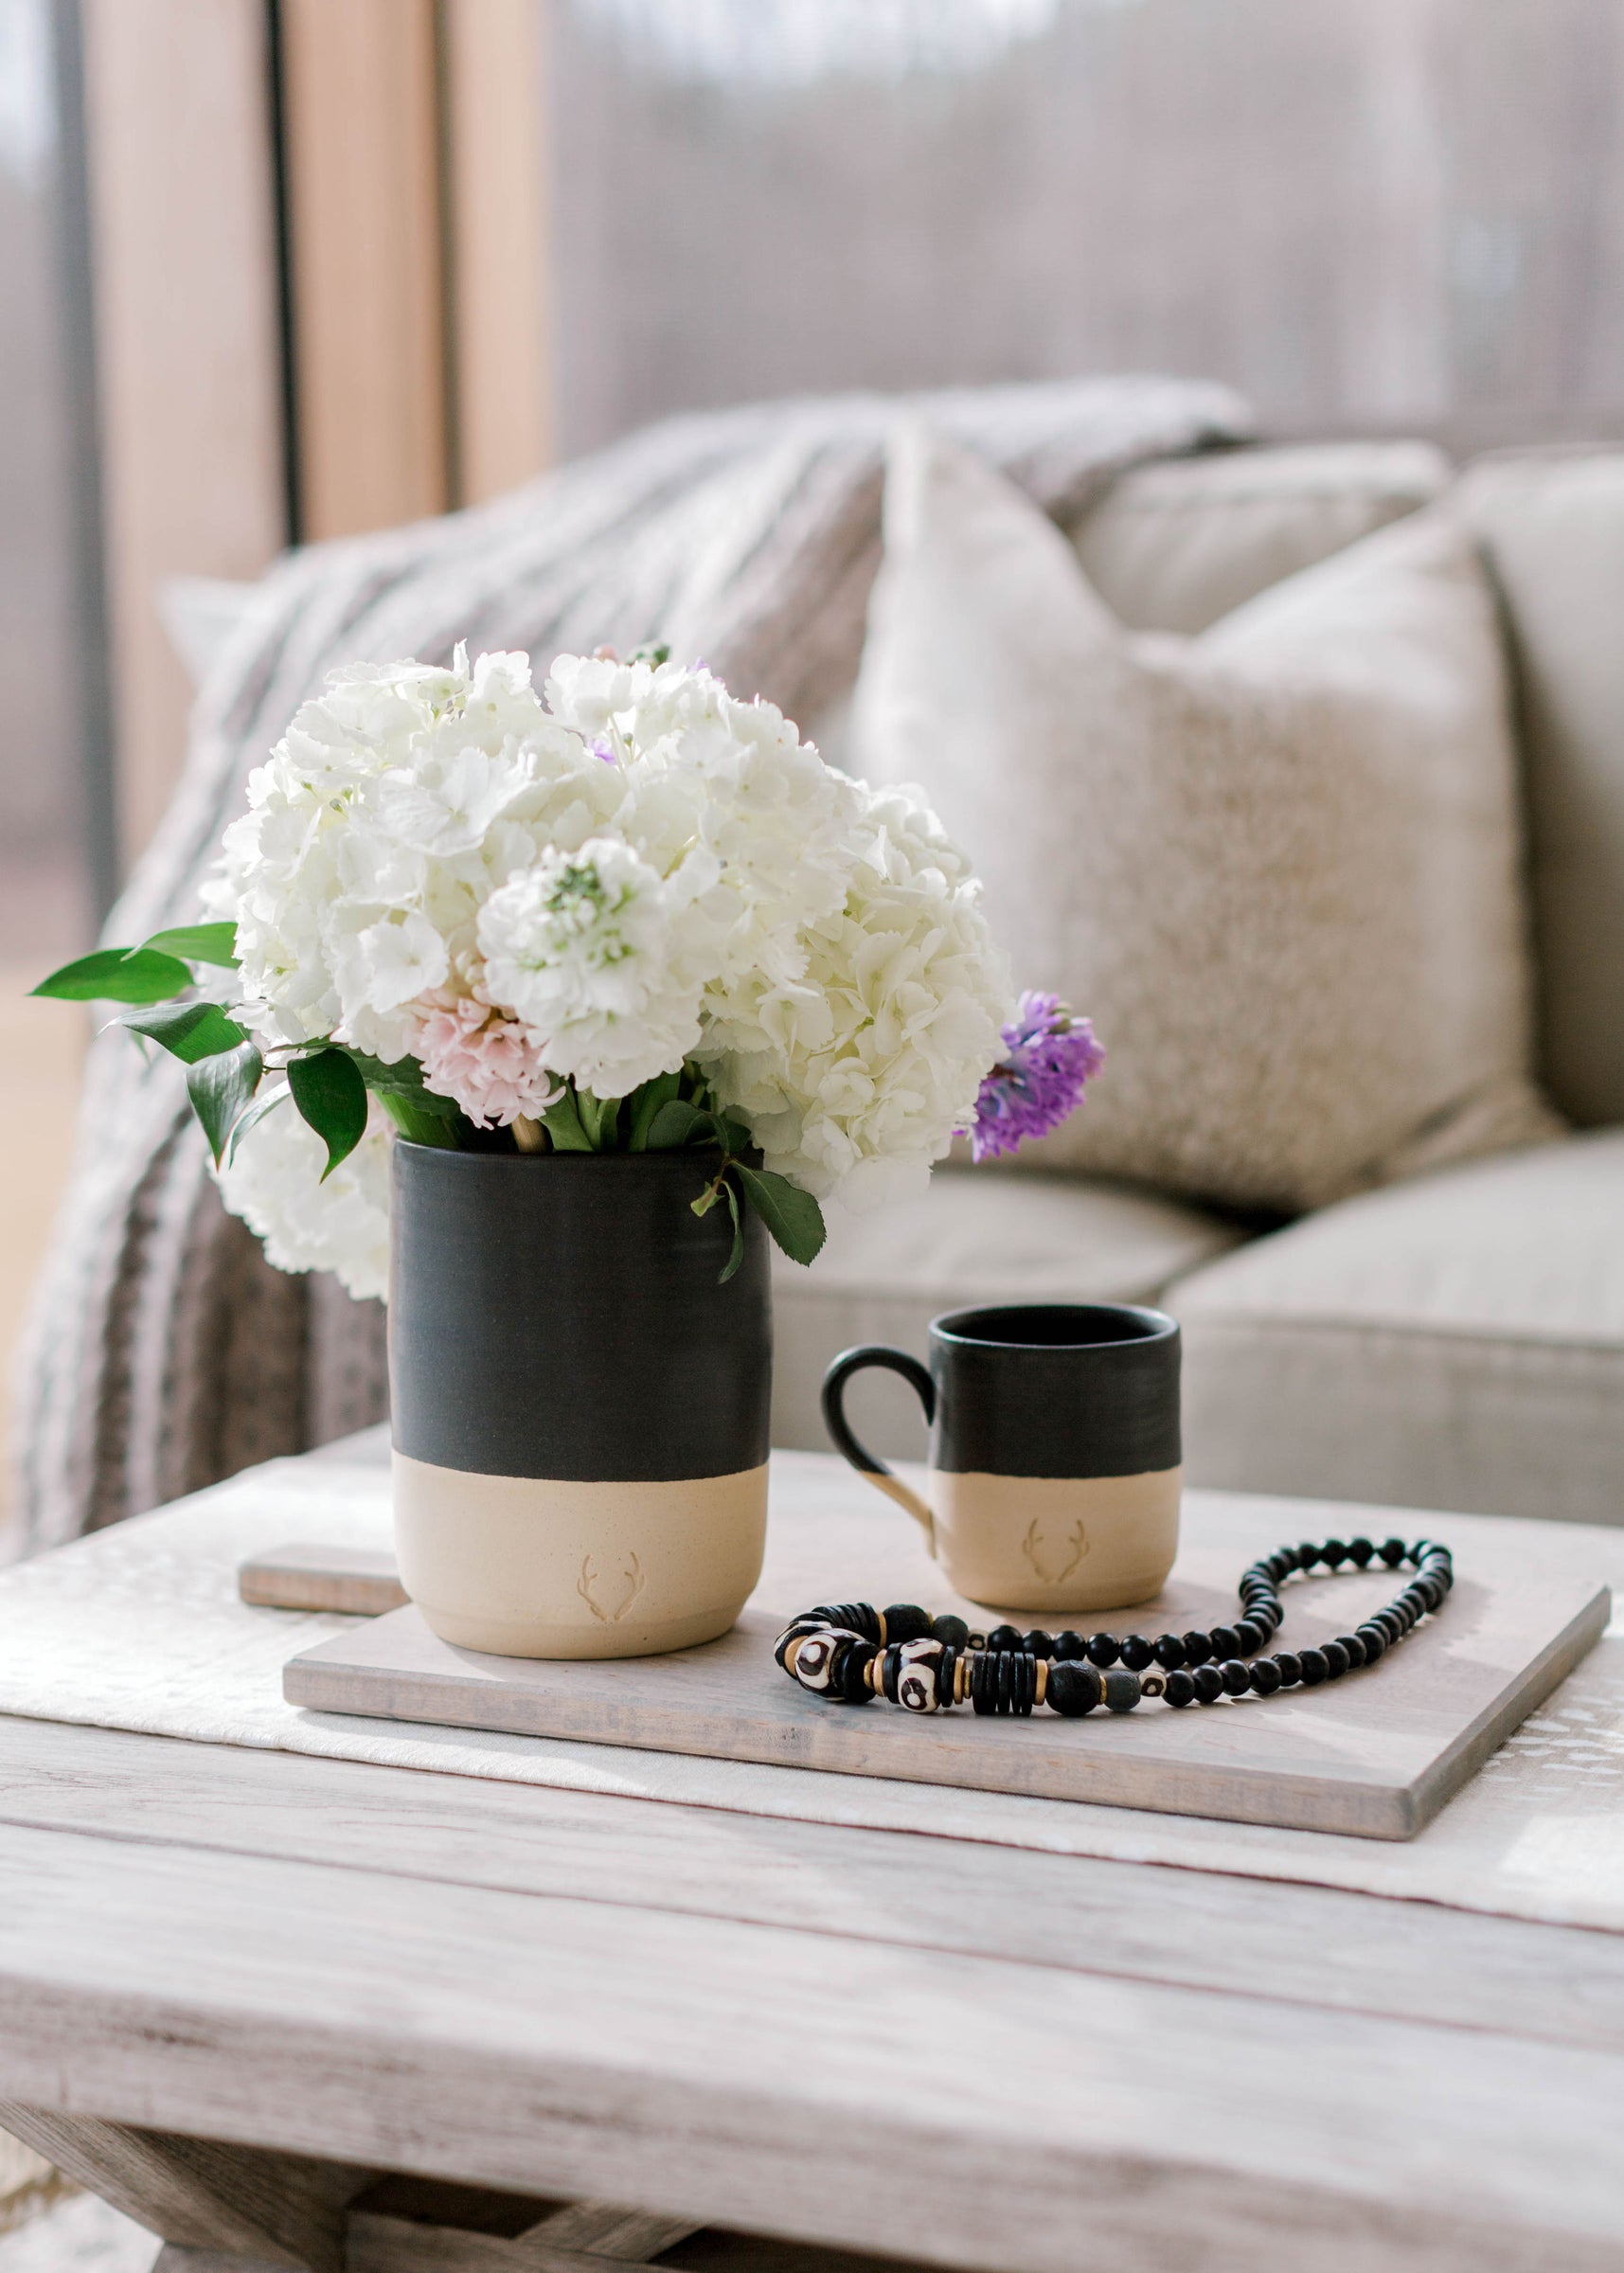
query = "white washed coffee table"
x=242 y=1981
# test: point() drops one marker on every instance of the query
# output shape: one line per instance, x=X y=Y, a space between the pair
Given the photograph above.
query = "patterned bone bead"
x=916 y=1675
x=814 y=1663
x=916 y=1688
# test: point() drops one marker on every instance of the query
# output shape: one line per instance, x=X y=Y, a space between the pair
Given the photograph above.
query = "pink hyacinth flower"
x=487 y=1063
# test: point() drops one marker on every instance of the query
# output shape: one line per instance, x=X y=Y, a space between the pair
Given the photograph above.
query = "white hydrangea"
x=634 y=871
x=274 y=1183
x=854 y=1077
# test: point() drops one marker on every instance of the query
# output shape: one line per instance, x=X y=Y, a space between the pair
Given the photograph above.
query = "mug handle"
x=918 y=1378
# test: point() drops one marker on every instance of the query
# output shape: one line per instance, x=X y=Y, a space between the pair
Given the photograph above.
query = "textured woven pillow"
x=1278 y=865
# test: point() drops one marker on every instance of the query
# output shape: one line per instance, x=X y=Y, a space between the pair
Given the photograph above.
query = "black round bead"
x=1360 y=1552
x=1208 y=1683
x=1180 y=1690
x=1265 y=1676
x=1170 y=1651
x=1312 y=1667
x=1374 y=1639
x=951 y=1632
x=1235 y=1677
x=906 y=1621
x=1333 y=1553
x=1037 y=1643
x=1392 y=1552
x=1074 y=1688
x=1103 y=1650
x=853 y=1672
x=1198 y=1647
x=1308 y=1554
x=1137 y=1652
x=1389 y=1621
x=1069 y=1645
x=1121 y=1690
x=1352 y=1649
x=1290 y=1667
x=1250 y=1638
x=1004 y=1637
x=1225 y=1642
x=1335 y=1660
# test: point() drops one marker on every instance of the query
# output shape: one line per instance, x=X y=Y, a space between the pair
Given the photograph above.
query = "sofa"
x=1451 y=1341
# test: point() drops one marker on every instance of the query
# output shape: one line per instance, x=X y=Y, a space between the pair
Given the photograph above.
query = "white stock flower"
x=274 y=1183
x=594 y=949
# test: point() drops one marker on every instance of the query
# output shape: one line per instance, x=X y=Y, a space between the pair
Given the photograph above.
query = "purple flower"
x=1049 y=1057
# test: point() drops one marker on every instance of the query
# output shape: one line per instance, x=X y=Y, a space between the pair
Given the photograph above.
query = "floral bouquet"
x=627 y=914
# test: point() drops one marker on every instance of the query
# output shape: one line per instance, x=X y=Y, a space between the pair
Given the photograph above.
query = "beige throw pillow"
x=1277 y=864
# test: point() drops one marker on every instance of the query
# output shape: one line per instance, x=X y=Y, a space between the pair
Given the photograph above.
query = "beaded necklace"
x=850 y=1653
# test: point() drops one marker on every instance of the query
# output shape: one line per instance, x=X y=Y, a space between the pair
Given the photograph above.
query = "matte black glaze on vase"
x=580 y=1410
x=1055 y=1451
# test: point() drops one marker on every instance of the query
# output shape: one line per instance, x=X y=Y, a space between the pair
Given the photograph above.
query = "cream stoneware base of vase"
x=1057 y=1544
x=523 y=1566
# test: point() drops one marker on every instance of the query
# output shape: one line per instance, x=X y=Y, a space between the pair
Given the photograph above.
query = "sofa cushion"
x=1455 y=1342
x=1551 y=525
x=1279 y=863
x=1173 y=545
x=970 y=1238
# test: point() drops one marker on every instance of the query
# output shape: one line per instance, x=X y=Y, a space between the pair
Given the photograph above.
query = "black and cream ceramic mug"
x=1054 y=1451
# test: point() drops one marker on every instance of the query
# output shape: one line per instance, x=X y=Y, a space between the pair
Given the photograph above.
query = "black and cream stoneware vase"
x=1055 y=1451
x=579 y=1408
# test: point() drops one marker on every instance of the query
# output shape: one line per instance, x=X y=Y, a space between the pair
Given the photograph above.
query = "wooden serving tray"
x=1376 y=1754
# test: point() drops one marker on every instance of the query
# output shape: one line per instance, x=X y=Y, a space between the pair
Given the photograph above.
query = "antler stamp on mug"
x=1055 y=1456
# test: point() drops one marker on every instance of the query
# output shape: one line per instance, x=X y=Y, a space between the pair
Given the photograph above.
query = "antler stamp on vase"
x=634 y=1577
x=1032 y=1547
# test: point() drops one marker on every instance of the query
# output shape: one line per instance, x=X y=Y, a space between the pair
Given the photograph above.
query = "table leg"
x=232 y=2202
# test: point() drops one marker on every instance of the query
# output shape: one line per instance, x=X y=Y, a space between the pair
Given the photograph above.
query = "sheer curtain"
x=1399 y=215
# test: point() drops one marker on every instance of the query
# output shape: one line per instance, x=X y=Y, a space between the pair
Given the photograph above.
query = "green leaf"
x=331 y=1097
x=421 y=1120
x=252 y=1118
x=675 y=1123
x=562 y=1124
x=402 y=1078
x=189 y=1030
x=195 y=943
x=792 y=1216
x=221 y=1089
x=646 y=1103
x=737 y=1257
x=118 y=974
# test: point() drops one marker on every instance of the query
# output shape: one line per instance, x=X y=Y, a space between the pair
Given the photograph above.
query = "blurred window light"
x=28 y=103
x=797 y=43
